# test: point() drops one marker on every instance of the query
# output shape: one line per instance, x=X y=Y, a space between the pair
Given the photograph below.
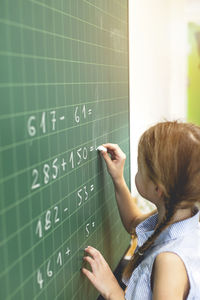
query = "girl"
x=166 y=264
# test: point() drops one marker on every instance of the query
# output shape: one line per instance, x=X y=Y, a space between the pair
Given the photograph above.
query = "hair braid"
x=139 y=254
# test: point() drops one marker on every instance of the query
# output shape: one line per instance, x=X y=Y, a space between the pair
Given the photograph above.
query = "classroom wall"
x=158 y=65
x=192 y=11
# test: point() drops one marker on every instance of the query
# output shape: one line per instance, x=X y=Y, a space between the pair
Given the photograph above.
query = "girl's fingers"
x=89 y=275
x=111 y=146
x=114 y=149
x=90 y=261
x=106 y=157
x=101 y=275
x=94 y=253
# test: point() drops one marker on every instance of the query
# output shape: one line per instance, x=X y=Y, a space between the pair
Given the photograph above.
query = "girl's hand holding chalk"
x=102 y=148
x=115 y=161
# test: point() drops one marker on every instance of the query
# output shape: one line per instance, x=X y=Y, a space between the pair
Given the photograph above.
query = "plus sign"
x=68 y=251
x=63 y=164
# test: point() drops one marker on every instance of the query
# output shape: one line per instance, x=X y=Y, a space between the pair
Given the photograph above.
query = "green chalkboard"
x=63 y=92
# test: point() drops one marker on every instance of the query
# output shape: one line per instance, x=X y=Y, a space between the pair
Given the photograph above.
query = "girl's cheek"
x=138 y=183
x=140 y=186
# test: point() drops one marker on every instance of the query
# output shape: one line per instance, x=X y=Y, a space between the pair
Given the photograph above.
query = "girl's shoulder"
x=169 y=270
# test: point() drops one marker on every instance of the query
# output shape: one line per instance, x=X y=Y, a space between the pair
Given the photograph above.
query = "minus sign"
x=62 y=118
x=65 y=209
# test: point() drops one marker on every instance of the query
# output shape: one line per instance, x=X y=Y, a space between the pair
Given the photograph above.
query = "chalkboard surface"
x=63 y=92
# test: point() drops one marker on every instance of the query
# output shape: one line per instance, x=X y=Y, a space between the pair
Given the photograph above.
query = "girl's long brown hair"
x=169 y=154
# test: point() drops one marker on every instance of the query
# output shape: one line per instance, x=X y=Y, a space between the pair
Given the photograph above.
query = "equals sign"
x=93 y=224
x=92 y=148
x=92 y=187
x=62 y=118
x=89 y=111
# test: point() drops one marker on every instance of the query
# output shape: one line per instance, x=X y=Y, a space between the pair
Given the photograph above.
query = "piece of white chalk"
x=102 y=148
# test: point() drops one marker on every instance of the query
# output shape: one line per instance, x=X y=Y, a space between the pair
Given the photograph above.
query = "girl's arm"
x=129 y=212
x=169 y=278
x=101 y=276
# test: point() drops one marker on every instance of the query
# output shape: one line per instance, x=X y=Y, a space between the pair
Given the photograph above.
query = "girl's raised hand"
x=101 y=276
x=115 y=161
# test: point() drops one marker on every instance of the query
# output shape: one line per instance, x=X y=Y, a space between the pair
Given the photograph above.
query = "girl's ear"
x=159 y=191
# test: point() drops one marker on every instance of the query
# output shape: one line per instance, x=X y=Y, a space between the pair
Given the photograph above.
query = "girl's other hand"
x=115 y=161
x=101 y=276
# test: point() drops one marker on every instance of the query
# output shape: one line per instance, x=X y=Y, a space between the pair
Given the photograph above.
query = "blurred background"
x=164 y=58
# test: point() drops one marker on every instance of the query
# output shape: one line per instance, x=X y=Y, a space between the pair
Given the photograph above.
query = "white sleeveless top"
x=182 y=238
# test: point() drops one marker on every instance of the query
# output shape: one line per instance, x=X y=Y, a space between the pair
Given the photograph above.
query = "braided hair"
x=169 y=154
